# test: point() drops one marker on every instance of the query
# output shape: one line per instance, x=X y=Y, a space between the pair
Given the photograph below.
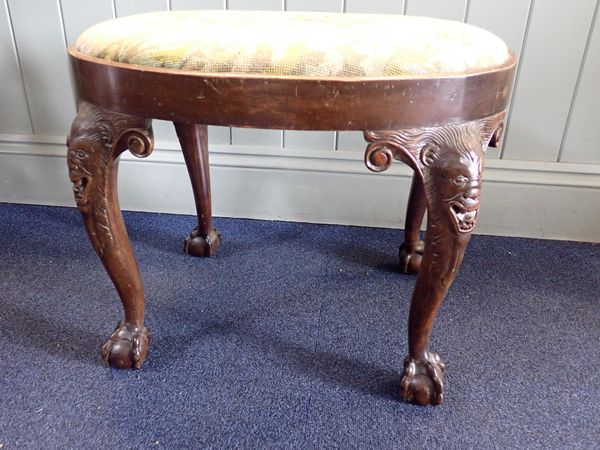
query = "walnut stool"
x=427 y=92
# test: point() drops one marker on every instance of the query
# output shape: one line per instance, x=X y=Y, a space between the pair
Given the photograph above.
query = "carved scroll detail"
x=97 y=139
x=407 y=145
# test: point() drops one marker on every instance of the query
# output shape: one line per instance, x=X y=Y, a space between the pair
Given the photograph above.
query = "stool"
x=427 y=92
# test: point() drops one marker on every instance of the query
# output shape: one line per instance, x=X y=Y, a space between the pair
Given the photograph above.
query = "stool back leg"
x=204 y=239
x=411 y=250
x=97 y=139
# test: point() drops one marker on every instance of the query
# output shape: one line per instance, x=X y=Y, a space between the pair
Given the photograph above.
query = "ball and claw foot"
x=196 y=245
x=410 y=257
x=423 y=381
x=127 y=347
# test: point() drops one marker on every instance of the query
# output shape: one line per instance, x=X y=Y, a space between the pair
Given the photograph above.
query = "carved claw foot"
x=197 y=245
x=423 y=381
x=410 y=257
x=127 y=347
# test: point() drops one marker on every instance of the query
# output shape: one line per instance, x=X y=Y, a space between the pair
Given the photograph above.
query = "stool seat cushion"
x=295 y=44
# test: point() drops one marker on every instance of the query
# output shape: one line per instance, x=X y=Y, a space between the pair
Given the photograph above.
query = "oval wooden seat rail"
x=288 y=102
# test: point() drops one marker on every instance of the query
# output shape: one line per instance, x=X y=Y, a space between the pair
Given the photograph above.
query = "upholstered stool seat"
x=427 y=92
x=300 y=44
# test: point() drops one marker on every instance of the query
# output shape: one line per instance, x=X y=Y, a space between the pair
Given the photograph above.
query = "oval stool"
x=430 y=93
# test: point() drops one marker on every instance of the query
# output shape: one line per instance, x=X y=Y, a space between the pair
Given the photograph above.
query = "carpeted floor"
x=292 y=337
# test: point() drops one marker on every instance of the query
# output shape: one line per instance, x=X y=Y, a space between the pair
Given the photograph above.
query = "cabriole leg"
x=452 y=215
x=411 y=250
x=96 y=140
x=204 y=239
x=448 y=161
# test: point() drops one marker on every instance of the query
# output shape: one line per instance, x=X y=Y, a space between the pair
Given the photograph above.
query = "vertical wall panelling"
x=315 y=5
x=40 y=41
x=353 y=140
x=312 y=139
x=197 y=4
x=323 y=140
x=78 y=15
x=375 y=6
x=128 y=7
x=216 y=135
x=262 y=5
x=163 y=130
x=249 y=136
x=467 y=11
x=443 y=9
x=14 y=112
x=552 y=55
x=580 y=141
x=505 y=18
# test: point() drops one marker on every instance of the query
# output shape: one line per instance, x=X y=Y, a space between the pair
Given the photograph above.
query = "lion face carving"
x=85 y=160
x=456 y=172
x=78 y=161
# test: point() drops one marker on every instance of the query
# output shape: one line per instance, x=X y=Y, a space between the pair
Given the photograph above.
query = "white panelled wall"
x=543 y=182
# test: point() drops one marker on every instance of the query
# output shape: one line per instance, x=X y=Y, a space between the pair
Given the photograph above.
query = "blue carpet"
x=292 y=337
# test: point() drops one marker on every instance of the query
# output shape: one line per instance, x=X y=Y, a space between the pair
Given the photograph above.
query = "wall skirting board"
x=520 y=198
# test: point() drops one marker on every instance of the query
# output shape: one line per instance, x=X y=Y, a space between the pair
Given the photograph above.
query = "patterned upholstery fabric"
x=298 y=44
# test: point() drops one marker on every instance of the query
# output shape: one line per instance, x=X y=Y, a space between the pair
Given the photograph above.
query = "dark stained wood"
x=449 y=161
x=204 y=239
x=291 y=103
x=411 y=250
x=438 y=126
x=97 y=139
